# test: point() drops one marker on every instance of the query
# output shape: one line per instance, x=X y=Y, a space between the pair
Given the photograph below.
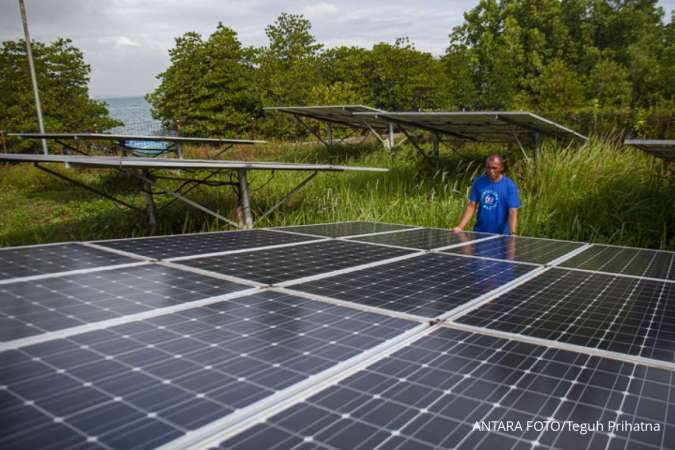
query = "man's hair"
x=498 y=157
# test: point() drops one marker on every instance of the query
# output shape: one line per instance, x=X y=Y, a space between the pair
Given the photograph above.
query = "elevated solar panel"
x=28 y=308
x=273 y=266
x=480 y=126
x=131 y=137
x=344 y=228
x=18 y=262
x=427 y=285
x=146 y=383
x=518 y=248
x=166 y=247
x=436 y=392
x=422 y=239
x=625 y=260
x=614 y=313
x=660 y=148
x=338 y=114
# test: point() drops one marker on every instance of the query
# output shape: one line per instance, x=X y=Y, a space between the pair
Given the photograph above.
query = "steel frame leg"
x=244 y=200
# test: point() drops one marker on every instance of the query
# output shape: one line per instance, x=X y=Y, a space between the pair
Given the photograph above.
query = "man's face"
x=494 y=169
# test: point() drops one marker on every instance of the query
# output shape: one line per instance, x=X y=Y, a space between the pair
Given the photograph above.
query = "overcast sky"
x=126 y=42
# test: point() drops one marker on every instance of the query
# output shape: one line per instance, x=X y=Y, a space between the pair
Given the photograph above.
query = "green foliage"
x=62 y=77
x=563 y=55
x=597 y=193
x=288 y=71
x=210 y=87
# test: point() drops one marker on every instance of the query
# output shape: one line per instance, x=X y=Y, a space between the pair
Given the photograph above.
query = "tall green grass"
x=597 y=192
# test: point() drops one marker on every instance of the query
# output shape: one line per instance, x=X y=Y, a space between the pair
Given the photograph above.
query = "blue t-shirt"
x=494 y=201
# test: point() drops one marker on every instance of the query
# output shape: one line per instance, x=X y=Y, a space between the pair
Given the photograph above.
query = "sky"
x=126 y=42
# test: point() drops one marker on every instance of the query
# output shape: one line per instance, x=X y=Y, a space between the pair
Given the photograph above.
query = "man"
x=496 y=197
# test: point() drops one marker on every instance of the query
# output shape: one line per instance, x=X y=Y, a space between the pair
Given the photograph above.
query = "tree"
x=62 y=77
x=209 y=89
x=401 y=78
x=288 y=70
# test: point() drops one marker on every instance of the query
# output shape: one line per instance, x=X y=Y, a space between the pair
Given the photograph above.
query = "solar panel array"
x=345 y=335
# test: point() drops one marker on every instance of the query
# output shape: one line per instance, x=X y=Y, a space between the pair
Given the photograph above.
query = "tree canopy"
x=63 y=79
x=568 y=59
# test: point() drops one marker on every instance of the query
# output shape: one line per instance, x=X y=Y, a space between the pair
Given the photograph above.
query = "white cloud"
x=123 y=41
x=320 y=10
x=116 y=35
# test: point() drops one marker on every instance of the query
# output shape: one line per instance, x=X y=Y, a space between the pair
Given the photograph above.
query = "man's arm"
x=466 y=216
x=513 y=220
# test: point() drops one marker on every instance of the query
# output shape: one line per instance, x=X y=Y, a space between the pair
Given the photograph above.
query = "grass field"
x=598 y=192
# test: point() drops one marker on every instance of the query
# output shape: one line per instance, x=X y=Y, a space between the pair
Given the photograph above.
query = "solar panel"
x=481 y=126
x=340 y=114
x=427 y=285
x=614 y=313
x=664 y=148
x=438 y=391
x=273 y=266
x=17 y=262
x=518 y=248
x=28 y=308
x=121 y=162
x=423 y=239
x=146 y=383
x=131 y=137
x=344 y=228
x=166 y=247
x=625 y=260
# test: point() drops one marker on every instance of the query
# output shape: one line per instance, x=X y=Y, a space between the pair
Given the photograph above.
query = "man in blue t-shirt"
x=496 y=197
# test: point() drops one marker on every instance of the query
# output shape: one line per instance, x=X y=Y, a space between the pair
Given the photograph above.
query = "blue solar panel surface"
x=129 y=354
x=432 y=393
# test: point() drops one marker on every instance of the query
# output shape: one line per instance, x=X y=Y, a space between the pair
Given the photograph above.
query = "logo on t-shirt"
x=489 y=199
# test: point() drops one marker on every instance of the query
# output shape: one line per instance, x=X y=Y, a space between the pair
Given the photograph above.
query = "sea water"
x=134 y=112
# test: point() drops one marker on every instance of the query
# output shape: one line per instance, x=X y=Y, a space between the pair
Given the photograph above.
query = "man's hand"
x=458 y=229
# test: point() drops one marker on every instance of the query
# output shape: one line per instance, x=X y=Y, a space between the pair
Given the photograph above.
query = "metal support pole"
x=390 y=138
x=33 y=78
x=149 y=200
x=179 y=150
x=377 y=135
x=89 y=188
x=244 y=200
x=287 y=196
x=184 y=199
x=330 y=133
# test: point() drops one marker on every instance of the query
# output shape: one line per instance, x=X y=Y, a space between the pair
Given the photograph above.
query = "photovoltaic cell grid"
x=30 y=261
x=518 y=248
x=196 y=244
x=625 y=260
x=430 y=394
x=608 y=312
x=276 y=265
x=345 y=228
x=148 y=382
x=422 y=239
x=427 y=285
x=35 y=307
